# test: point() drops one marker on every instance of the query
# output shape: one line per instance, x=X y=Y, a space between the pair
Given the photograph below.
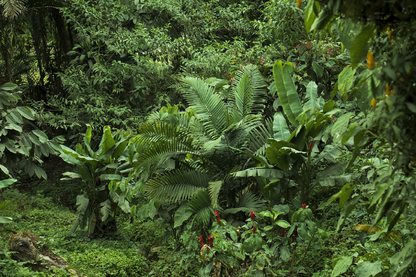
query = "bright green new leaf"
x=107 y=141
x=88 y=134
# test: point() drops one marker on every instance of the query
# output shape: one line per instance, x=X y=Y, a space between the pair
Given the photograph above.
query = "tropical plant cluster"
x=210 y=138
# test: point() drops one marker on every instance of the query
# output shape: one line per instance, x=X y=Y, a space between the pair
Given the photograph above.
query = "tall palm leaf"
x=249 y=94
x=208 y=105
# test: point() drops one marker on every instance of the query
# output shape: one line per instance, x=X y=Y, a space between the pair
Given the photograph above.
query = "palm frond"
x=177 y=186
x=161 y=141
x=247 y=202
x=12 y=8
x=258 y=137
x=200 y=206
x=210 y=108
x=249 y=94
x=214 y=189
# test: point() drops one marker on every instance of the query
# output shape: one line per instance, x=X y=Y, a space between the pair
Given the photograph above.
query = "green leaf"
x=312 y=104
x=328 y=106
x=72 y=175
x=324 y=17
x=285 y=253
x=341 y=266
x=25 y=112
x=286 y=91
x=411 y=107
x=181 y=215
x=280 y=128
x=106 y=177
x=4 y=169
x=345 y=81
x=5 y=219
x=7 y=182
x=14 y=127
x=340 y=127
x=8 y=86
x=41 y=135
x=368 y=269
x=282 y=223
x=310 y=15
x=359 y=45
x=88 y=133
x=107 y=141
x=318 y=69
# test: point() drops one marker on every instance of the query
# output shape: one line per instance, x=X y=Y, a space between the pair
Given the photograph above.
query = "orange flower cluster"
x=370 y=60
x=388 y=91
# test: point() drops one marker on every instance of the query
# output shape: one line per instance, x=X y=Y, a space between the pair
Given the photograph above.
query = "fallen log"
x=28 y=247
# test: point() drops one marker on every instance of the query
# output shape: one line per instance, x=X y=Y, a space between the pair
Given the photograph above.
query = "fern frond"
x=208 y=105
x=177 y=186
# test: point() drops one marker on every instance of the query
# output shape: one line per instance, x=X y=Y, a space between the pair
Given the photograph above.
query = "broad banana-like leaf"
x=312 y=103
x=107 y=143
x=286 y=91
x=280 y=129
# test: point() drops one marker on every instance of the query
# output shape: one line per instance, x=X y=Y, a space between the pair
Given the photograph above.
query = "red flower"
x=201 y=241
x=252 y=215
x=282 y=233
x=304 y=206
x=217 y=216
x=254 y=228
x=211 y=243
x=310 y=147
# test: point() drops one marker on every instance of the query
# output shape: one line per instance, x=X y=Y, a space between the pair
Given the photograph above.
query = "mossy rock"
x=29 y=247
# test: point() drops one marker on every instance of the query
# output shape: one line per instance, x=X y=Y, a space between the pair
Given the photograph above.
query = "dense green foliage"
x=239 y=138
